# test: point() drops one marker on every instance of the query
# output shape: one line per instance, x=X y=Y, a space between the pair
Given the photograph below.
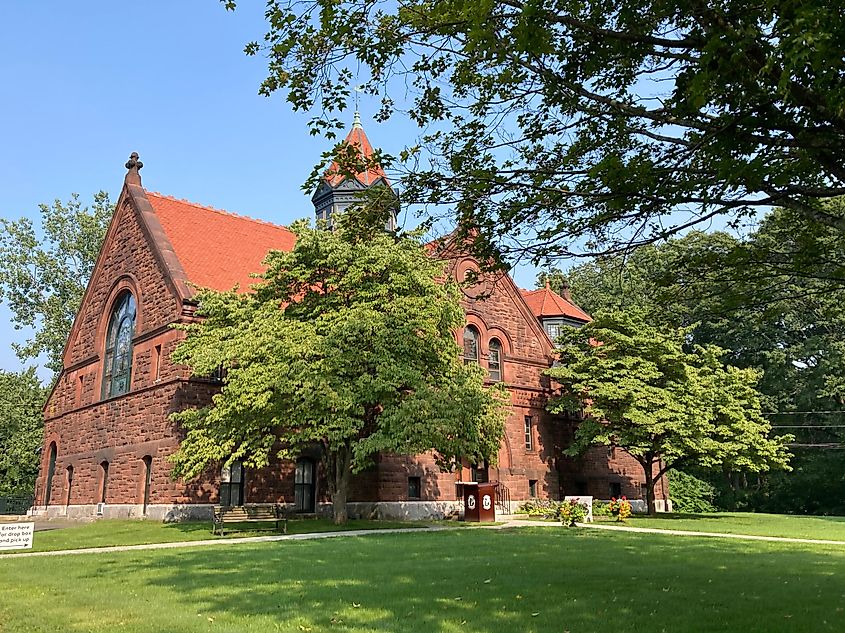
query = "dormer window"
x=117 y=365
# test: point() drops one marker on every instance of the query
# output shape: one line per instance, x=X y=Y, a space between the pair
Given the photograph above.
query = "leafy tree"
x=348 y=344
x=773 y=300
x=21 y=429
x=640 y=390
x=43 y=273
x=558 y=127
x=690 y=494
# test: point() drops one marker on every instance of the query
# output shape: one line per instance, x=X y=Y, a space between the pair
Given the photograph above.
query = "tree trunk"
x=341 y=515
x=339 y=465
x=648 y=469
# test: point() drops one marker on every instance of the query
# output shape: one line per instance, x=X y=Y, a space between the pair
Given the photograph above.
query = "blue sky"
x=86 y=83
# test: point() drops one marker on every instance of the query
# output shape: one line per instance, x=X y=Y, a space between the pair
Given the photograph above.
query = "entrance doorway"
x=304 y=490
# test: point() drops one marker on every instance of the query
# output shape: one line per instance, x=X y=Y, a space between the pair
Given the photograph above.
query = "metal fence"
x=15 y=505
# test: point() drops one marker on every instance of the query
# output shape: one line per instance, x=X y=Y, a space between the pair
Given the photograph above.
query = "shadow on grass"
x=733 y=516
x=194 y=530
x=669 y=516
x=508 y=580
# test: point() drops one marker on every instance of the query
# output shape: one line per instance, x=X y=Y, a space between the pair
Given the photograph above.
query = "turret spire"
x=339 y=189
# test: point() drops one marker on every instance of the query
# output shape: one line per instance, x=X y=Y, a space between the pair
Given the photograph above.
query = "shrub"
x=690 y=494
x=601 y=508
x=620 y=508
x=572 y=512
x=545 y=508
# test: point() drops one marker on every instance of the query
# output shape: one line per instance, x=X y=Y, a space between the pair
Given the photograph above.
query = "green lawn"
x=535 y=579
x=133 y=532
x=814 y=527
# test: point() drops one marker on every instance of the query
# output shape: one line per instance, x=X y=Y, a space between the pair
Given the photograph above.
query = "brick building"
x=107 y=429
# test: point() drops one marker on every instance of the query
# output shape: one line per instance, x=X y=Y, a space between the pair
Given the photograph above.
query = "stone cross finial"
x=133 y=165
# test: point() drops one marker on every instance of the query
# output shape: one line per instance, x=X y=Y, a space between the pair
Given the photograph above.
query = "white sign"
x=471 y=502
x=486 y=503
x=16 y=535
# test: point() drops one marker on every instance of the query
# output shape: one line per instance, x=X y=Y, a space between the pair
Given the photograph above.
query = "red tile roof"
x=358 y=138
x=545 y=302
x=218 y=249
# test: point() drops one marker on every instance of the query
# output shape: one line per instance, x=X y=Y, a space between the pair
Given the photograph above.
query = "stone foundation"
x=155 y=512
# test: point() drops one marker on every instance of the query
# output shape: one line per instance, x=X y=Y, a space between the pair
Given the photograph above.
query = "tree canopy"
x=563 y=127
x=21 y=430
x=773 y=300
x=640 y=390
x=348 y=345
x=44 y=272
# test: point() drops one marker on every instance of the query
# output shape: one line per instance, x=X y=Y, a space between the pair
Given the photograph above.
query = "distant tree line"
x=775 y=301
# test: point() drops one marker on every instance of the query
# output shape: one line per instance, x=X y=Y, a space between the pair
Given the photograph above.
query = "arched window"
x=104 y=484
x=470 y=344
x=117 y=367
x=51 y=470
x=148 y=476
x=494 y=360
x=69 y=484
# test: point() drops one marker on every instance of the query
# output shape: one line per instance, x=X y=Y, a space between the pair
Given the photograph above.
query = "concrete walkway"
x=505 y=522
x=225 y=542
x=742 y=537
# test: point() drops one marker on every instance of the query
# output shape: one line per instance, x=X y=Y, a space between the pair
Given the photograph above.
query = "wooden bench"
x=258 y=513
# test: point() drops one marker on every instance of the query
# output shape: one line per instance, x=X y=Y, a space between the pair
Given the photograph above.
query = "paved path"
x=225 y=542
x=507 y=522
x=745 y=537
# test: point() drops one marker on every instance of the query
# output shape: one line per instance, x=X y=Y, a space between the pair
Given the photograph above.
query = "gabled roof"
x=217 y=249
x=545 y=302
x=358 y=138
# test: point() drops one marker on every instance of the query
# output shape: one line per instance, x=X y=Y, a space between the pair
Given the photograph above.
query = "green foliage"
x=620 y=509
x=601 y=508
x=564 y=126
x=572 y=512
x=690 y=494
x=773 y=300
x=546 y=508
x=347 y=344
x=43 y=272
x=639 y=389
x=21 y=431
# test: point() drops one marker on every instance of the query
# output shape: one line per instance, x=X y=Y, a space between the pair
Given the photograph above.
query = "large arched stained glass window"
x=117 y=369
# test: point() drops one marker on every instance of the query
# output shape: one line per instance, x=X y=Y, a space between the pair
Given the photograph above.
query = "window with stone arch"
x=117 y=360
x=51 y=471
x=471 y=337
x=494 y=360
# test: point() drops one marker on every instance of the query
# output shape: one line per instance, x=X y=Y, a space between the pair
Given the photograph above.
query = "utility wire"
x=802 y=412
x=808 y=426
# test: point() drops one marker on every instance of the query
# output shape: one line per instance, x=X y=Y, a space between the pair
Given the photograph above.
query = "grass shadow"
x=526 y=579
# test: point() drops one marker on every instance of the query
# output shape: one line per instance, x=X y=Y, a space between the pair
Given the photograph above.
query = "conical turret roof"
x=357 y=138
